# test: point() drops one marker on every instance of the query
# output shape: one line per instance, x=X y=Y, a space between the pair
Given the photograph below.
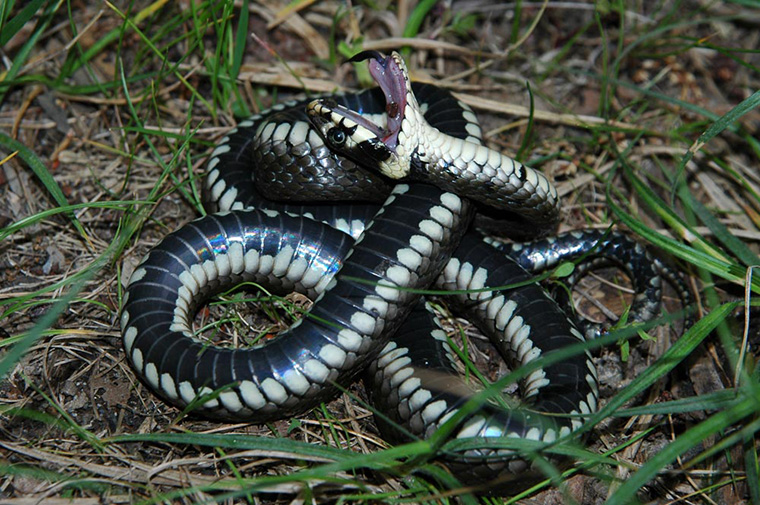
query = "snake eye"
x=336 y=137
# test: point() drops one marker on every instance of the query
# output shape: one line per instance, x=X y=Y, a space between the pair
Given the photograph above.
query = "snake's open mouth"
x=391 y=77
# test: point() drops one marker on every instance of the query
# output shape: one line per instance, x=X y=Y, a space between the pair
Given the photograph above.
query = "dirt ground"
x=113 y=108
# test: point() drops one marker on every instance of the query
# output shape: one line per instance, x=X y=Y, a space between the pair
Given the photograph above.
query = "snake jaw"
x=355 y=136
x=351 y=135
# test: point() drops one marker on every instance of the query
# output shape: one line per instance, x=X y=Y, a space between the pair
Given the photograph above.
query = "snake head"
x=378 y=147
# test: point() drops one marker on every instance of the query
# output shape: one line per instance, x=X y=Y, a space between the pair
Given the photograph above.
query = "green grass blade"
x=43 y=175
x=717 y=400
x=667 y=214
x=723 y=234
x=626 y=493
x=723 y=269
x=241 y=38
x=12 y=27
x=335 y=460
x=74 y=62
x=417 y=16
x=12 y=355
x=241 y=442
x=713 y=261
x=724 y=122
x=64 y=209
x=6 y=79
x=679 y=351
x=132 y=23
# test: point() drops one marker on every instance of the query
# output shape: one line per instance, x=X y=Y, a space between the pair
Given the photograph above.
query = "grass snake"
x=409 y=177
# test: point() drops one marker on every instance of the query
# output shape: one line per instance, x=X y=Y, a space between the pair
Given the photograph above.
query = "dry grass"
x=119 y=104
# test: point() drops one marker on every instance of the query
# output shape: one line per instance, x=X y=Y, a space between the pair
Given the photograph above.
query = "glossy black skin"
x=151 y=300
x=293 y=177
x=298 y=174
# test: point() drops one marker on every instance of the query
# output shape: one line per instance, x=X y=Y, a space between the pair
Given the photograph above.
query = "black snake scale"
x=362 y=271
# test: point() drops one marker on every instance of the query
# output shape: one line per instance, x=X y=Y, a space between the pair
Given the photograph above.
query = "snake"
x=411 y=178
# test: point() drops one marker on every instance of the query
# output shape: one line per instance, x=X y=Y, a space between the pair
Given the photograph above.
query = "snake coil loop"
x=364 y=270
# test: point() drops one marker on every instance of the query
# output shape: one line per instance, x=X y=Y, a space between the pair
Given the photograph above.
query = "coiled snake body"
x=366 y=314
